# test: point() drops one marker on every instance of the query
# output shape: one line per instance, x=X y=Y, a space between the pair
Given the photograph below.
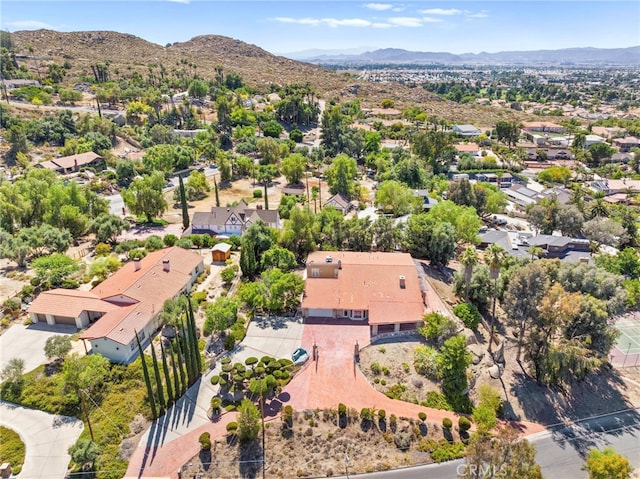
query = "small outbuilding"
x=221 y=252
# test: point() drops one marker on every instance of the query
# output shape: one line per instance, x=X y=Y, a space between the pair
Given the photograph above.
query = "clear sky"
x=291 y=26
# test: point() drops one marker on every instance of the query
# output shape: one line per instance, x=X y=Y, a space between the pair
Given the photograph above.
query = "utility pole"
x=85 y=412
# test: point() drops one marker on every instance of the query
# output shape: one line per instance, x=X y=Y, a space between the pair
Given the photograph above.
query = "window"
x=133 y=345
x=315 y=272
x=141 y=334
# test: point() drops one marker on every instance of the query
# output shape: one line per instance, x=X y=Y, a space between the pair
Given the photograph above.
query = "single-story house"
x=128 y=301
x=232 y=220
x=467 y=131
x=69 y=164
x=516 y=243
x=543 y=126
x=340 y=202
x=427 y=202
x=221 y=252
x=19 y=83
x=625 y=145
x=592 y=140
x=387 y=290
x=471 y=148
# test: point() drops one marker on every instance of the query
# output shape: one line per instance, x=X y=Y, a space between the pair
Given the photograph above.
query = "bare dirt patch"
x=317 y=446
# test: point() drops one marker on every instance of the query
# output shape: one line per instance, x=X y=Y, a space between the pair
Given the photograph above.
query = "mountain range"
x=568 y=56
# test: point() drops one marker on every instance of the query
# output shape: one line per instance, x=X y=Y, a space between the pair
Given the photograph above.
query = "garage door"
x=65 y=320
x=320 y=313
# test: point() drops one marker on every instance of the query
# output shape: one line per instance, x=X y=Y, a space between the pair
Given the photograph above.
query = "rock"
x=495 y=371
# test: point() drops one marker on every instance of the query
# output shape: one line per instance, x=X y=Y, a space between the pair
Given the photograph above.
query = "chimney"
x=328 y=259
x=339 y=264
x=75 y=164
x=165 y=265
x=403 y=283
x=137 y=264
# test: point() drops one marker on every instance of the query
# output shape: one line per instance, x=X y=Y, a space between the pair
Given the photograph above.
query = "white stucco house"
x=130 y=300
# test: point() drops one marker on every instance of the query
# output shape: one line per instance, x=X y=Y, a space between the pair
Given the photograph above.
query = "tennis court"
x=626 y=352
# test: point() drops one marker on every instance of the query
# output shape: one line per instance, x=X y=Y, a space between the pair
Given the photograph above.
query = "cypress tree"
x=215 y=189
x=266 y=196
x=167 y=376
x=183 y=203
x=181 y=367
x=147 y=380
x=194 y=338
x=186 y=350
x=156 y=372
x=176 y=375
x=248 y=264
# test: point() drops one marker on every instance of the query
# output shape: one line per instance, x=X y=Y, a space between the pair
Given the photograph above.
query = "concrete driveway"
x=47 y=438
x=27 y=343
x=276 y=337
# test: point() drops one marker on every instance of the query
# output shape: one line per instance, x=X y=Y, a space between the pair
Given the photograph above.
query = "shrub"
x=382 y=349
x=464 y=424
x=228 y=274
x=446 y=423
x=405 y=368
x=385 y=371
x=257 y=193
x=445 y=451
x=366 y=414
x=102 y=249
x=232 y=427
x=376 y=368
x=229 y=342
x=12 y=449
x=199 y=296
x=425 y=361
x=287 y=415
x=342 y=409
x=381 y=414
x=438 y=327
x=437 y=400
x=205 y=441
x=393 y=422
x=216 y=404
x=469 y=315
x=402 y=440
x=153 y=243
x=383 y=382
x=396 y=391
x=170 y=240
x=250 y=361
x=422 y=416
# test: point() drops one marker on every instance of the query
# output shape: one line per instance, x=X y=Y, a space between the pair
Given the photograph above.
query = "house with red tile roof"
x=386 y=290
x=129 y=300
x=68 y=164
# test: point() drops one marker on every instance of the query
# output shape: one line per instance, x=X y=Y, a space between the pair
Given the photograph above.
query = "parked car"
x=300 y=356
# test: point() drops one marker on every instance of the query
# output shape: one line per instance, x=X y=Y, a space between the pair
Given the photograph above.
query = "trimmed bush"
x=257 y=193
x=422 y=416
x=446 y=423
x=232 y=427
x=393 y=422
x=215 y=380
x=205 y=441
x=376 y=368
x=250 y=361
x=366 y=414
x=382 y=414
x=469 y=315
x=464 y=424
x=342 y=409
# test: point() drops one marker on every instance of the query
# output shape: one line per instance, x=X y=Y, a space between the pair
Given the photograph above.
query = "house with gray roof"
x=466 y=131
x=517 y=243
x=232 y=220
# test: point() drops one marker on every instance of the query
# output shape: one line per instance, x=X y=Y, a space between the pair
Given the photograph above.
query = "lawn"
x=12 y=449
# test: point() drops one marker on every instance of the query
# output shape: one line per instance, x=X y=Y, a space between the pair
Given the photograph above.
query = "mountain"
x=202 y=55
x=568 y=56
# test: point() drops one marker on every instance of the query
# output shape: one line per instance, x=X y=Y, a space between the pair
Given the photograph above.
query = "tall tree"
x=469 y=259
x=147 y=379
x=167 y=376
x=158 y=378
x=145 y=196
x=340 y=176
x=183 y=204
x=494 y=257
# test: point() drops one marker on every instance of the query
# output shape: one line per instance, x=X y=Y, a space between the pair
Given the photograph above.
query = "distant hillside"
x=568 y=56
x=127 y=53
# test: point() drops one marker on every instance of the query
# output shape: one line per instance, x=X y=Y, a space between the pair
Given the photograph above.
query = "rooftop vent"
x=403 y=283
x=137 y=264
x=165 y=265
x=328 y=259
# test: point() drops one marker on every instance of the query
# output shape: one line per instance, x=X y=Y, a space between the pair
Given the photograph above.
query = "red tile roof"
x=368 y=281
x=68 y=303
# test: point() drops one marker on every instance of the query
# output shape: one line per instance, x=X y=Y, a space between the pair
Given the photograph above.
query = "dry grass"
x=316 y=448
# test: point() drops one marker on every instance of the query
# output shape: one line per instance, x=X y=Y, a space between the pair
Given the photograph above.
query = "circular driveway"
x=47 y=438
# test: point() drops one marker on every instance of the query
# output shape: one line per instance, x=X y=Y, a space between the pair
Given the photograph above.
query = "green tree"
x=281 y=258
x=84 y=453
x=494 y=257
x=385 y=234
x=607 y=464
x=340 y=176
x=253 y=296
x=145 y=196
x=54 y=269
x=220 y=315
x=508 y=132
x=297 y=234
x=293 y=168
x=453 y=360
x=108 y=227
x=198 y=89
x=13 y=371
x=555 y=174
x=397 y=199
x=463 y=218
x=183 y=204
x=426 y=237
x=248 y=422
x=468 y=259
x=197 y=186
x=57 y=347
x=284 y=290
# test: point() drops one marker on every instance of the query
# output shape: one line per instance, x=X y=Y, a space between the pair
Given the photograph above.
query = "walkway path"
x=47 y=438
x=334 y=378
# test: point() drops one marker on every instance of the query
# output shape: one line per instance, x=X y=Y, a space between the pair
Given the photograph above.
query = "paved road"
x=47 y=438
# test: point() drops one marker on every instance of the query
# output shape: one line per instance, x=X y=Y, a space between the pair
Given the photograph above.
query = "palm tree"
x=468 y=258
x=494 y=257
x=599 y=208
x=535 y=251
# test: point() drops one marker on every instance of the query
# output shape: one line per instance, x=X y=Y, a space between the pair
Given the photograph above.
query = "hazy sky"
x=292 y=26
